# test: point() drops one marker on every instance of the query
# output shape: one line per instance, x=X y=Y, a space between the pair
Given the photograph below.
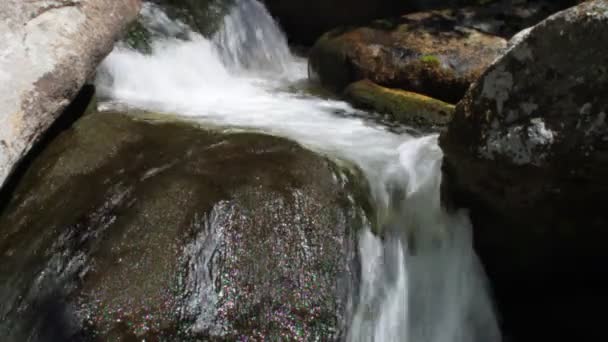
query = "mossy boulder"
x=403 y=106
x=428 y=53
x=527 y=152
x=132 y=229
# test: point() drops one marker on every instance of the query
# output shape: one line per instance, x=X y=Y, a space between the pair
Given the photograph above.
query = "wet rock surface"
x=402 y=106
x=50 y=49
x=128 y=229
x=527 y=151
x=430 y=53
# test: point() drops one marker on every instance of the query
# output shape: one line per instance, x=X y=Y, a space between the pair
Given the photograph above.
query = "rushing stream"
x=421 y=282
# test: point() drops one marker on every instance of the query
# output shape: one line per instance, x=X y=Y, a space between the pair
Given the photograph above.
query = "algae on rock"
x=405 y=107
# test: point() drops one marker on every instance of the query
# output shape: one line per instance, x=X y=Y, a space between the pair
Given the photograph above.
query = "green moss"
x=204 y=16
x=138 y=37
x=405 y=107
x=431 y=59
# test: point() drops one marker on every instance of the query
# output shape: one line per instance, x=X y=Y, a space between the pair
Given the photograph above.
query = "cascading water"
x=421 y=282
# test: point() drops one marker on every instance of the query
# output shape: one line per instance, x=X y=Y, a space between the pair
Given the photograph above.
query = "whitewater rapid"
x=421 y=282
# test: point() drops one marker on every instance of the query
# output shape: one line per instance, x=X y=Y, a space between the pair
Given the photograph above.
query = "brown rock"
x=129 y=229
x=427 y=53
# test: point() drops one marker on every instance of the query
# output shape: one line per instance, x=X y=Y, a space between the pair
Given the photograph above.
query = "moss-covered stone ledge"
x=405 y=107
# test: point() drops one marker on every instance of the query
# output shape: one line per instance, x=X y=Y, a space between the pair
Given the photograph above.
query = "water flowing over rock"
x=126 y=228
x=428 y=52
x=114 y=227
x=420 y=280
x=50 y=48
x=527 y=151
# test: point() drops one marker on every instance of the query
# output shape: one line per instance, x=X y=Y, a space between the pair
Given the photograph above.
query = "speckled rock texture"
x=527 y=152
x=49 y=49
x=131 y=230
x=430 y=53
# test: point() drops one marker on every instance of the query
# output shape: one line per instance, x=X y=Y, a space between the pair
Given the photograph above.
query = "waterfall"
x=420 y=281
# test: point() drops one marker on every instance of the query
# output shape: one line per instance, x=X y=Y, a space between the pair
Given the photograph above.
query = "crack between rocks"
x=50 y=7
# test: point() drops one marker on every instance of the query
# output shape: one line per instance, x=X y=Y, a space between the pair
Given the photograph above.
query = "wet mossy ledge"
x=146 y=226
x=402 y=106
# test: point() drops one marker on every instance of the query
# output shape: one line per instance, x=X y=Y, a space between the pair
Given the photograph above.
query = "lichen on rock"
x=527 y=152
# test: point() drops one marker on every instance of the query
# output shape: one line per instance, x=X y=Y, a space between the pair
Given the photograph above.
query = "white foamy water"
x=422 y=282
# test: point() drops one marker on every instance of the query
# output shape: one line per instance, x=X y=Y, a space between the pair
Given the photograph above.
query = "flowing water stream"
x=420 y=282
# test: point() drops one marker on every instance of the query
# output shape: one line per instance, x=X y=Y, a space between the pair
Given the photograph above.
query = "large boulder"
x=527 y=152
x=49 y=50
x=426 y=52
x=128 y=229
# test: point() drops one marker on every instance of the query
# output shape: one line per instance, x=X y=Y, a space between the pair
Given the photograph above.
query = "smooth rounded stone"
x=527 y=152
x=427 y=52
x=126 y=229
x=50 y=49
x=402 y=106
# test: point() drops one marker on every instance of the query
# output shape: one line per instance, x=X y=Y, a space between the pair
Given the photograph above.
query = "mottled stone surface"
x=49 y=49
x=430 y=53
x=127 y=230
x=527 y=151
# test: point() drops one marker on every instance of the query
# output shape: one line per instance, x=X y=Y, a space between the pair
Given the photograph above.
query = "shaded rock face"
x=527 y=151
x=131 y=230
x=305 y=21
x=426 y=52
x=50 y=48
x=506 y=18
x=402 y=106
